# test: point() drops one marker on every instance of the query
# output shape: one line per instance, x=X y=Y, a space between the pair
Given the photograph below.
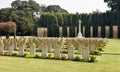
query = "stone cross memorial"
x=79 y=33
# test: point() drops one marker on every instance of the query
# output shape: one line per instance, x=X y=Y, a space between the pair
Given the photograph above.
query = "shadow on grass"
x=111 y=53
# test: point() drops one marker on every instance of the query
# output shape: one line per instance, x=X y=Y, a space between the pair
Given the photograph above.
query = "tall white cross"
x=79 y=25
x=79 y=33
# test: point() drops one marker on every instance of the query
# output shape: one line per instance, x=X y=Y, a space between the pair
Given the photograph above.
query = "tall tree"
x=24 y=5
x=5 y=14
x=23 y=19
x=113 y=4
x=55 y=9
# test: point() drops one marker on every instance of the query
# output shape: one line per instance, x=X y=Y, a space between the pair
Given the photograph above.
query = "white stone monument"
x=79 y=33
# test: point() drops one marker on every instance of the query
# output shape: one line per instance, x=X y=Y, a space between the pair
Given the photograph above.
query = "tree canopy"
x=55 y=9
x=35 y=7
x=113 y=4
x=23 y=5
x=23 y=18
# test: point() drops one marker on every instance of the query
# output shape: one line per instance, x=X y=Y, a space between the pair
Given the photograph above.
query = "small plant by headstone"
x=29 y=56
x=77 y=58
x=64 y=51
x=16 y=49
x=27 y=49
x=42 y=57
x=38 y=50
x=92 y=58
x=24 y=55
x=63 y=57
x=5 y=53
x=97 y=52
x=14 y=54
x=100 y=49
x=49 y=56
x=36 y=56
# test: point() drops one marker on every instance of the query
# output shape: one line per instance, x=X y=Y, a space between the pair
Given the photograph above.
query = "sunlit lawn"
x=109 y=61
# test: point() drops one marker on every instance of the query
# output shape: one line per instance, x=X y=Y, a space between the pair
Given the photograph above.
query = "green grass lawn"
x=109 y=61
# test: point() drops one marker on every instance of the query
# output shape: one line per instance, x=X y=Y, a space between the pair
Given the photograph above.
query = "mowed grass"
x=109 y=61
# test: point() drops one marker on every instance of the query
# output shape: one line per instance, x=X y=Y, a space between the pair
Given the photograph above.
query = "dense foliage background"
x=54 y=21
x=27 y=17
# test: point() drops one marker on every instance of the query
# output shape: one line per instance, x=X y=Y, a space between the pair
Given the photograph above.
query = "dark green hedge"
x=53 y=21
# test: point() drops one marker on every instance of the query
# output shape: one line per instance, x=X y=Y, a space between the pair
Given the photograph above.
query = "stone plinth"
x=80 y=35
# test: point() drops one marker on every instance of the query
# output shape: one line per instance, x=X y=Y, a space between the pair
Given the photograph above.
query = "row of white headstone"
x=83 y=45
x=107 y=31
